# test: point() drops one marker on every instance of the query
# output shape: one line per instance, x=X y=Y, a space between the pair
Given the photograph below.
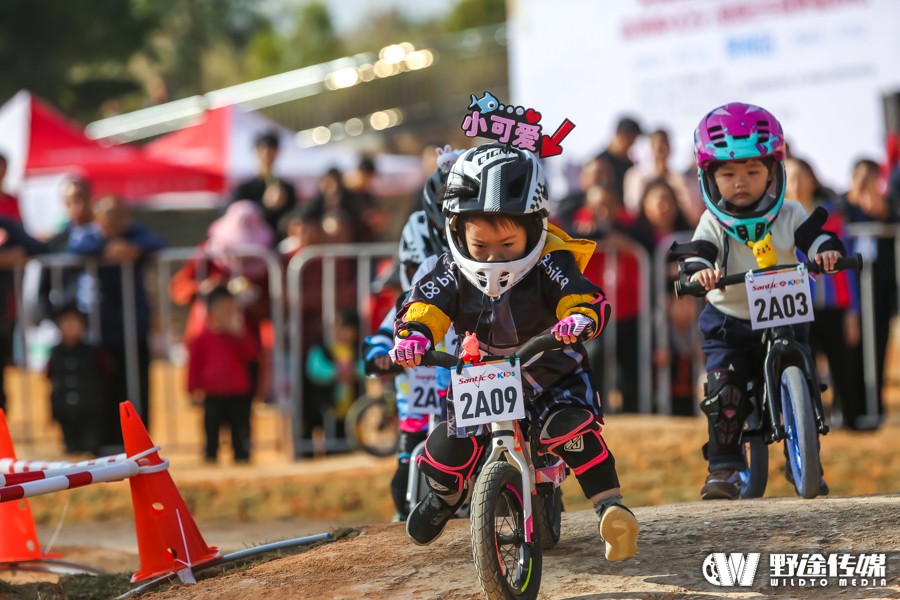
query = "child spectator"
x=219 y=374
x=336 y=369
x=77 y=393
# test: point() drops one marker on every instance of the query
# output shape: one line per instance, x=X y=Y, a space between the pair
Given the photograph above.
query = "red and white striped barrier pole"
x=116 y=471
x=11 y=465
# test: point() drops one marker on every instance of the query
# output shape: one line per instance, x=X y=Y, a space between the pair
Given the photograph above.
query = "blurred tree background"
x=95 y=58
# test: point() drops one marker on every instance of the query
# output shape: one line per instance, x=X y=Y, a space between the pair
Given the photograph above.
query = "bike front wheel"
x=372 y=425
x=802 y=436
x=508 y=566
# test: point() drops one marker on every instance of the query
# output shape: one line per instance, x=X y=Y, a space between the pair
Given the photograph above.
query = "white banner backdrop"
x=820 y=66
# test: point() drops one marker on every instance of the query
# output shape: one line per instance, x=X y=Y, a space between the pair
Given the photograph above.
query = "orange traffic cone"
x=18 y=537
x=168 y=539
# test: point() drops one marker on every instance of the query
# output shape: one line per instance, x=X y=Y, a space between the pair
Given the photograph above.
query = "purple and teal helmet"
x=733 y=132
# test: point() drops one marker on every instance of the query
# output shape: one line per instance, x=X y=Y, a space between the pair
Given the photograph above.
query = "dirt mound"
x=675 y=539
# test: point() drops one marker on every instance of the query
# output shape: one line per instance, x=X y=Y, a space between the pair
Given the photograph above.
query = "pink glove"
x=407 y=352
x=568 y=329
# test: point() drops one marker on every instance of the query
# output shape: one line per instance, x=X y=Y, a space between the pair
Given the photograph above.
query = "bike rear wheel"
x=547 y=509
x=508 y=567
x=756 y=453
x=547 y=505
x=372 y=425
x=802 y=437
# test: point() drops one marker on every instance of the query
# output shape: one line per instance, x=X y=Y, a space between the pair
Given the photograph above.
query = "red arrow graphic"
x=550 y=144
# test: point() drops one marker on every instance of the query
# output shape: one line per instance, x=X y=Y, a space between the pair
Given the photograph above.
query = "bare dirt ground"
x=658 y=460
x=382 y=563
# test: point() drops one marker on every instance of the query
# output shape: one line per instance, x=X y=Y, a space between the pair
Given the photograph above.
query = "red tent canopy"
x=53 y=145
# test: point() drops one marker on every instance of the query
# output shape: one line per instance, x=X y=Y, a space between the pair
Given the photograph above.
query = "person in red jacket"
x=219 y=364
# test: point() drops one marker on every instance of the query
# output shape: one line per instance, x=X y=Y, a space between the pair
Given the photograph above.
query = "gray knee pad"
x=725 y=406
x=573 y=434
x=448 y=462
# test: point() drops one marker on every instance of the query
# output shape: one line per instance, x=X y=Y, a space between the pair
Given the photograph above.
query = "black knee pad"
x=725 y=406
x=448 y=462
x=573 y=434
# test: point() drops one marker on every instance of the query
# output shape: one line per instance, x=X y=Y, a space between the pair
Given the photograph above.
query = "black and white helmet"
x=432 y=198
x=415 y=244
x=502 y=180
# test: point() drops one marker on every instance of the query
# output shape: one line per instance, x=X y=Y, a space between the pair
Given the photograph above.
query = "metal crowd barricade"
x=610 y=337
x=363 y=255
x=56 y=263
x=866 y=235
x=164 y=261
x=661 y=287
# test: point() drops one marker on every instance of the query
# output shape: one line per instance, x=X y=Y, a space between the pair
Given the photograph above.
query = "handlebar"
x=695 y=288
x=541 y=343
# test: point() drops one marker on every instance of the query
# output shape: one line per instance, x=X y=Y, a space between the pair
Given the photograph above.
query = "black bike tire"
x=353 y=420
x=547 y=510
x=492 y=482
x=807 y=481
x=758 y=458
x=756 y=452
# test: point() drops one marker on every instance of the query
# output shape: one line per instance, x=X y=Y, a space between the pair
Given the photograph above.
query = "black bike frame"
x=781 y=344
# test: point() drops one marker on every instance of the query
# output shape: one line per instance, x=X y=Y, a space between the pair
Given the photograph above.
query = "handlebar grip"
x=689 y=288
x=539 y=344
x=854 y=262
x=436 y=358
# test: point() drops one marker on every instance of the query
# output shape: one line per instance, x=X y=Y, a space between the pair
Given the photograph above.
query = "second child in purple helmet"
x=740 y=158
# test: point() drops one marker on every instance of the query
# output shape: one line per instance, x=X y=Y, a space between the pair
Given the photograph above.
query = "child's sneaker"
x=722 y=485
x=427 y=520
x=619 y=531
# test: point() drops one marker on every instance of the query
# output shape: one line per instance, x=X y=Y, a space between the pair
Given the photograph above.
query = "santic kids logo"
x=728 y=570
x=477 y=379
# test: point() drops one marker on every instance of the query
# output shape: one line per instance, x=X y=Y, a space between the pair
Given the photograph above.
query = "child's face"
x=221 y=314
x=742 y=182
x=71 y=327
x=500 y=241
